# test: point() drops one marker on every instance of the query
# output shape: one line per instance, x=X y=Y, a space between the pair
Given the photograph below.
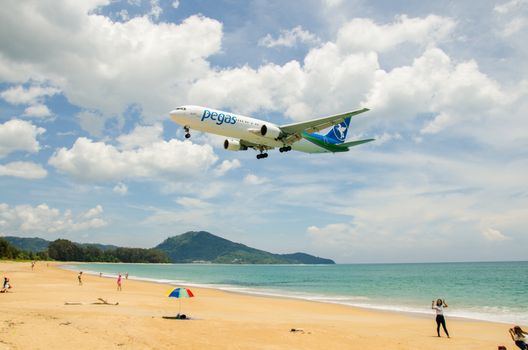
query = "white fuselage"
x=234 y=126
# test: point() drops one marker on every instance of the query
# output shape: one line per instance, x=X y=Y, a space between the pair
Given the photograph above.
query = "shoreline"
x=280 y=294
x=35 y=316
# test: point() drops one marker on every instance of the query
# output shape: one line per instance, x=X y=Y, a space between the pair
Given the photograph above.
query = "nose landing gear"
x=187 y=132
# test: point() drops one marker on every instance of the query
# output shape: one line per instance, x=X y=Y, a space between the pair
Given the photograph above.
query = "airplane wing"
x=253 y=145
x=294 y=130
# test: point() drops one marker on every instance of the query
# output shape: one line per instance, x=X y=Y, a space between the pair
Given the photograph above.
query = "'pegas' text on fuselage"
x=219 y=118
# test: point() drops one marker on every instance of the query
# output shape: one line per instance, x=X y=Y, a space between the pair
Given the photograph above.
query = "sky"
x=87 y=151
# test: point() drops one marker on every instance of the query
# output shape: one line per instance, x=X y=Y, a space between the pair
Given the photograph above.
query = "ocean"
x=488 y=291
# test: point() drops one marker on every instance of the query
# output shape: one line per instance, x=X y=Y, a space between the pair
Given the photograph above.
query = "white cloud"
x=362 y=34
x=247 y=90
x=385 y=138
x=123 y=14
x=172 y=161
x=436 y=125
x=350 y=74
x=332 y=3
x=434 y=84
x=514 y=26
x=104 y=65
x=176 y=4
x=189 y=202
x=141 y=136
x=121 y=189
x=155 y=9
x=22 y=219
x=226 y=166
x=441 y=204
x=18 y=95
x=251 y=179
x=33 y=96
x=25 y=170
x=37 y=110
x=92 y=122
x=19 y=135
x=509 y=6
x=333 y=234
x=93 y=212
x=493 y=235
x=290 y=38
x=347 y=70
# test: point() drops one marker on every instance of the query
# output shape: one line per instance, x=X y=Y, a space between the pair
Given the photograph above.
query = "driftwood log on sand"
x=100 y=301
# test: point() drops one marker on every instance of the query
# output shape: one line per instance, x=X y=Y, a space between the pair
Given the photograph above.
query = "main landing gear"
x=187 y=132
x=285 y=149
x=262 y=155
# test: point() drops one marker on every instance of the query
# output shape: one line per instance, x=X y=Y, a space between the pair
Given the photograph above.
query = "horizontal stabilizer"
x=355 y=143
x=342 y=147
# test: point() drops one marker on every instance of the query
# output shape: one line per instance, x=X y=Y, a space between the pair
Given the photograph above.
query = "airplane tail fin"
x=338 y=133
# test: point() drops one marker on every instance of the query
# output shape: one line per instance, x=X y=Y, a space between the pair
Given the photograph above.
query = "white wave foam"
x=485 y=313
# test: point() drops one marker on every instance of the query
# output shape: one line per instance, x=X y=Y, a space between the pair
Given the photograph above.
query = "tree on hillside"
x=65 y=250
x=7 y=251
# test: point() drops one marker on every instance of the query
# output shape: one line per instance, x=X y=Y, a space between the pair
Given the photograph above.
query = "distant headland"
x=189 y=247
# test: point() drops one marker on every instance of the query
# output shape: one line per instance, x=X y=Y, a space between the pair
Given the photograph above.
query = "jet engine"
x=270 y=131
x=234 y=145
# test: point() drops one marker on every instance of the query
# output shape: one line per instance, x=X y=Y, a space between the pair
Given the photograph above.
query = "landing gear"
x=187 y=132
x=262 y=155
x=285 y=149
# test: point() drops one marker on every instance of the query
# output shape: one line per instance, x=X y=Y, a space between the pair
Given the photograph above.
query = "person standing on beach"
x=440 y=319
x=126 y=275
x=79 y=277
x=519 y=337
x=119 y=278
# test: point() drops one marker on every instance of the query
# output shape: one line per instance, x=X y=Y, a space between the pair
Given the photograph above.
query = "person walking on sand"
x=79 y=277
x=119 y=279
x=440 y=319
x=32 y=265
x=520 y=337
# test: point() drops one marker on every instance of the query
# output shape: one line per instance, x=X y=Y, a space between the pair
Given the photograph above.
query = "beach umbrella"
x=180 y=293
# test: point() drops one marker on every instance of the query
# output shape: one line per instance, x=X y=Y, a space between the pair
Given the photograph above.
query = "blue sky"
x=87 y=151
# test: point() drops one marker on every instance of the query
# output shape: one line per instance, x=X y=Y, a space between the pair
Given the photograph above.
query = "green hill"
x=203 y=246
x=34 y=245
x=188 y=247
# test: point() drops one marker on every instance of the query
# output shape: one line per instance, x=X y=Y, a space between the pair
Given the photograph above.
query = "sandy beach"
x=34 y=316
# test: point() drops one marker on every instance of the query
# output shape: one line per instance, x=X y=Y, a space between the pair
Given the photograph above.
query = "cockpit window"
x=180 y=108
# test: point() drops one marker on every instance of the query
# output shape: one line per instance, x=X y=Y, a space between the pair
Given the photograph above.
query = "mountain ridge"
x=194 y=246
x=203 y=246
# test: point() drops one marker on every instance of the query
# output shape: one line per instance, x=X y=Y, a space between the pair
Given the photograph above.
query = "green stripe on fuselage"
x=328 y=146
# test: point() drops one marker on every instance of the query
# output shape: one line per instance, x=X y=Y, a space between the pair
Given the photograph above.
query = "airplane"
x=244 y=132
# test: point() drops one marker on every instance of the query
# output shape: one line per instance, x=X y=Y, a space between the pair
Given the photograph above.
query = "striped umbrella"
x=180 y=293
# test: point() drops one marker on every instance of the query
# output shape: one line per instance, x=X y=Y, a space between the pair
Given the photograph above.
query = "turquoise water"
x=484 y=291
